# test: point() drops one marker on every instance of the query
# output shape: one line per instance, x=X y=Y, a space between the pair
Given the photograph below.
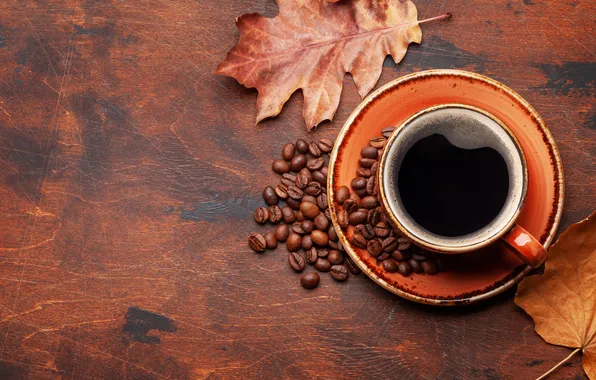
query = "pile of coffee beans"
x=304 y=222
x=362 y=214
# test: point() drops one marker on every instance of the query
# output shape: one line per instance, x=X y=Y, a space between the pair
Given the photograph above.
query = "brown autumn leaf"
x=312 y=44
x=562 y=302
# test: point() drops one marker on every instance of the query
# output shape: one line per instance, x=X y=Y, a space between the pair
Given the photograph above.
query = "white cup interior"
x=465 y=128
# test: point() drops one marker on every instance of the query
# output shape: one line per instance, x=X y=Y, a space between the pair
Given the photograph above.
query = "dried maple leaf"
x=562 y=302
x=312 y=44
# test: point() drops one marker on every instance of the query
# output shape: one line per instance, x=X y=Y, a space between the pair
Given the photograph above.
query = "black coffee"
x=452 y=191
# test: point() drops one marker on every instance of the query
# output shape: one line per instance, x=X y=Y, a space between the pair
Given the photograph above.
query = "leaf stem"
x=445 y=16
x=558 y=365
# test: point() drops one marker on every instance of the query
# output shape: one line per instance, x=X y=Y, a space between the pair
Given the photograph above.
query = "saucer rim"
x=331 y=195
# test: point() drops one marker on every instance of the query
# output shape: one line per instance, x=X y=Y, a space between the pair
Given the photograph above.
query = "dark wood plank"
x=128 y=173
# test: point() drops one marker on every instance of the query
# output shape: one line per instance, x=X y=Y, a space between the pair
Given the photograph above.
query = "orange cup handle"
x=525 y=246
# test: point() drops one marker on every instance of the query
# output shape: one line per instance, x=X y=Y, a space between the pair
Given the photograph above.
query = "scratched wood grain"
x=128 y=173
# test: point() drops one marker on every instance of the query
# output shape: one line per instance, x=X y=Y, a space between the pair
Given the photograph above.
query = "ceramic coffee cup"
x=465 y=127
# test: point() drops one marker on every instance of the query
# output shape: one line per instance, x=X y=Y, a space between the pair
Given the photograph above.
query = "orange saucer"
x=480 y=274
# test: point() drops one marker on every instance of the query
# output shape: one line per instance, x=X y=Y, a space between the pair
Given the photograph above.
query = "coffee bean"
x=340 y=247
x=382 y=230
x=297 y=228
x=390 y=265
x=374 y=217
x=280 y=166
x=308 y=226
x=296 y=261
x=355 y=197
x=309 y=199
x=358 y=217
x=429 y=267
x=270 y=240
x=360 y=192
x=404 y=268
x=288 y=150
x=309 y=210
x=404 y=246
x=257 y=242
x=358 y=229
x=369 y=202
x=282 y=232
x=325 y=145
x=366 y=162
x=363 y=172
x=419 y=257
x=397 y=255
x=333 y=245
x=281 y=191
x=322 y=265
x=261 y=215
x=374 y=168
x=303 y=178
x=374 y=247
x=335 y=257
x=322 y=201
x=371 y=185
x=332 y=233
x=319 y=177
x=288 y=215
x=314 y=150
x=378 y=142
x=358 y=183
x=298 y=162
x=325 y=171
x=269 y=196
x=350 y=205
x=389 y=244
x=294 y=242
x=288 y=179
x=323 y=252
x=315 y=163
x=321 y=222
x=309 y=280
x=358 y=240
x=311 y=254
x=339 y=272
x=295 y=193
x=383 y=256
x=352 y=267
x=293 y=203
x=416 y=267
x=343 y=219
x=369 y=152
x=327 y=213
x=368 y=231
x=314 y=189
x=301 y=146
x=342 y=194
x=386 y=132
x=299 y=217
x=274 y=214
x=320 y=238
x=306 y=242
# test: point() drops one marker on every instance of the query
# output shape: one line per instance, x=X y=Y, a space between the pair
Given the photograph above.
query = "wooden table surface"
x=129 y=172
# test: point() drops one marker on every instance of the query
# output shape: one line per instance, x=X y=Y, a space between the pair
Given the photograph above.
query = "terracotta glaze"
x=479 y=274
